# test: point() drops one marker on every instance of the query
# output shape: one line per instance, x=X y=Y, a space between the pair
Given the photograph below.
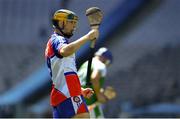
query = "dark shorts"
x=70 y=107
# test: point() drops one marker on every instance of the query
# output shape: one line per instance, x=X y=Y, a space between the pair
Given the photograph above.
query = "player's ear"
x=55 y=23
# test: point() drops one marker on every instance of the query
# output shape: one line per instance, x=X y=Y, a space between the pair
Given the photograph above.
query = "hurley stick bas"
x=94 y=15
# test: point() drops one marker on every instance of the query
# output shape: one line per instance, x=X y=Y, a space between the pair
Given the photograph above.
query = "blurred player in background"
x=67 y=96
x=101 y=60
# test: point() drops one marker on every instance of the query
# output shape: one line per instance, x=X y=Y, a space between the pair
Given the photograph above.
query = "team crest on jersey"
x=77 y=100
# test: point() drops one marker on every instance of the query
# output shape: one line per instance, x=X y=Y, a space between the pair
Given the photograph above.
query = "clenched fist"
x=87 y=92
x=93 y=34
x=109 y=92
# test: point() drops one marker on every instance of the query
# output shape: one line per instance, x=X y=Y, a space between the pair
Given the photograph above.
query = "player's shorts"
x=70 y=107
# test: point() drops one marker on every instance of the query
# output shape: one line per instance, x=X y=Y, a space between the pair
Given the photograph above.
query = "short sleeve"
x=97 y=65
x=57 y=44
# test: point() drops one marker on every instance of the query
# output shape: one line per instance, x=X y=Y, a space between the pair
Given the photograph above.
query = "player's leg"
x=92 y=113
x=82 y=115
x=97 y=112
x=101 y=115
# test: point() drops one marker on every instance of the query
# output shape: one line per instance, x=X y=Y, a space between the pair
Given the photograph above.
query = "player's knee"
x=82 y=115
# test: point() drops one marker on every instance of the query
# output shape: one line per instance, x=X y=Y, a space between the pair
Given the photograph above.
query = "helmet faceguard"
x=63 y=16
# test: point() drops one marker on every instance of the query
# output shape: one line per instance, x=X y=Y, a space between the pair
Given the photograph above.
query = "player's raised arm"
x=74 y=46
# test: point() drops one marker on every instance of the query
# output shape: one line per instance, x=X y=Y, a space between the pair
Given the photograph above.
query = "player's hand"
x=93 y=34
x=87 y=92
x=110 y=93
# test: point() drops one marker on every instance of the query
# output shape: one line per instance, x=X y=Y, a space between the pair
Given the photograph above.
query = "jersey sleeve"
x=57 y=44
x=100 y=67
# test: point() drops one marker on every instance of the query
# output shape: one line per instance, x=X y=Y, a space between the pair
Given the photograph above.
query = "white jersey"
x=96 y=65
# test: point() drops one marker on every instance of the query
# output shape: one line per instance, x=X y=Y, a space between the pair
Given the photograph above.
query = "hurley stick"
x=94 y=15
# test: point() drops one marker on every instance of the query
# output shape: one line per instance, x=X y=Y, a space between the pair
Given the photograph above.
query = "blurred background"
x=143 y=35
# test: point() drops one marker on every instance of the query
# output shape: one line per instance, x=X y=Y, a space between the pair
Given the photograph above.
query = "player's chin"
x=70 y=33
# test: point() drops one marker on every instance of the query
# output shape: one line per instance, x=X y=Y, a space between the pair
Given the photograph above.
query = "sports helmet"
x=105 y=53
x=63 y=15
